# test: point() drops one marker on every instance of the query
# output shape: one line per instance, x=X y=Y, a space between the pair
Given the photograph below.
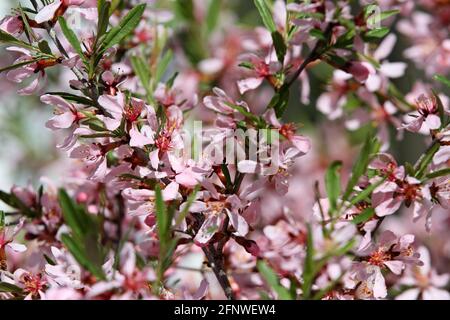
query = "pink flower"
x=391 y=252
x=215 y=212
x=94 y=160
x=7 y=235
x=34 y=70
x=55 y=9
x=260 y=69
x=12 y=24
x=426 y=117
x=66 y=113
x=424 y=281
x=359 y=70
x=288 y=130
x=142 y=201
x=118 y=108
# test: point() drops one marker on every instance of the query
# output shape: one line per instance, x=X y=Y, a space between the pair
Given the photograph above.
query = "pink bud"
x=358 y=70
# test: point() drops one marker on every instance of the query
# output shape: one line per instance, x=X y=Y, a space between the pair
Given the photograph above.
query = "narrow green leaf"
x=317 y=33
x=9 y=39
x=17 y=65
x=442 y=79
x=185 y=211
x=71 y=215
x=266 y=15
x=2 y=219
x=272 y=280
x=79 y=254
x=308 y=268
x=73 y=98
x=212 y=15
x=333 y=184
x=438 y=173
x=142 y=70
x=13 y=201
x=377 y=33
x=162 y=65
x=360 y=166
x=365 y=193
x=425 y=160
x=280 y=46
x=364 y=216
x=71 y=37
x=377 y=18
x=103 y=20
x=125 y=27
x=9 y=287
x=44 y=47
x=280 y=101
x=161 y=214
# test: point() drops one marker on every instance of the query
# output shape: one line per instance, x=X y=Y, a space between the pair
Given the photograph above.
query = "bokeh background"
x=28 y=150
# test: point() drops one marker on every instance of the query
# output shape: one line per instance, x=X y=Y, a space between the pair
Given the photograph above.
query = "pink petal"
x=393 y=69
x=395 y=266
x=210 y=226
x=17 y=247
x=62 y=121
x=201 y=291
x=410 y=294
x=432 y=122
x=249 y=84
x=238 y=222
x=247 y=166
x=140 y=138
x=303 y=144
x=48 y=12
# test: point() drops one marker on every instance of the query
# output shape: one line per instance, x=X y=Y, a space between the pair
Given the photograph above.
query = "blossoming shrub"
x=249 y=206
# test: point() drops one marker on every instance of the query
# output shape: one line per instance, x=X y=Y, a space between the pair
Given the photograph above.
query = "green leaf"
x=185 y=211
x=280 y=46
x=71 y=215
x=364 y=216
x=212 y=15
x=266 y=15
x=360 y=166
x=280 y=101
x=79 y=253
x=442 y=79
x=73 y=98
x=308 y=268
x=103 y=18
x=333 y=184
x=162 y=217
x=185 y=9
x=71 y=37
x=272 y=280
x=13 y=201
x=9 y=287
x=377 y=18
x=162 y=65
x=366 y=192
x=425 y=160
x=17 y=65
x=125 y=27
x=6 y=38
x=247 y=65
x=317 y=33
x=438 y=173
x=44 y=47
x=2 y=219
x=377 y=33
x=142 y=70
x=244 y=112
